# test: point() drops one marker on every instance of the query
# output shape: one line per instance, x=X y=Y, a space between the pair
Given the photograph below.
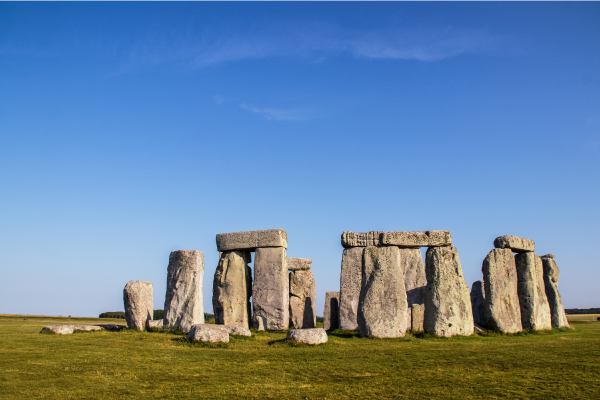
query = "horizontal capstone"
x=251 y=240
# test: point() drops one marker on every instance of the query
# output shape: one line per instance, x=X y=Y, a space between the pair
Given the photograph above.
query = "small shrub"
x=113 y=314
x=158 y=314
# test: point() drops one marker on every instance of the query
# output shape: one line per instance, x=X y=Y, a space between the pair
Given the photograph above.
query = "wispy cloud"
x=278 y=114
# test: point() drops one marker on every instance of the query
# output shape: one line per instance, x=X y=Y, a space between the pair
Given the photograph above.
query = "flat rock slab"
x=209 y=333
x=303 y=296
x=535 y=310
x=515 y=243
x=308 y=336
x=58 y=329
x=270 y=291
x=551 y=274
x=416 y=239
x=87 y=328
x=237 y=331
x=350 y=286
x=112 y=327
x=331 y=313
x=355 y=239
x=298 y=264
x=156 y=324
x=251 y=240
x=230 y=290
x=478 y=303
x=139 y=306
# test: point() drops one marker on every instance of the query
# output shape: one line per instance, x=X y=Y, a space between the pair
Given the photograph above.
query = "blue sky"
x=128 y=130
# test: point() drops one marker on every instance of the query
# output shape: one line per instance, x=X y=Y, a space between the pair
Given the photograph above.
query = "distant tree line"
x=158 y=314
x=582 y=310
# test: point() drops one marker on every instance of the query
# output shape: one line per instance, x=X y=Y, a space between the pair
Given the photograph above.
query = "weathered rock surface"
x=139 y=306
x=502 y=309
x=251 y=240
x=382 y=305
x=416 y=239
x=350 y=285
x=87 y=328
x=411 y=262
x=58 y=329
x=230 y=290
x=184 y=304
x=303 y=295
x=447 y=301
x=551 y=274
x=355 y=239
x=331 y=313
x=515 y=243
x=535 y=310
x=478 y=303
x=236 y=330
x=159 y=323
x=417 y=315
x=308 y=336
x=270 y=291
x=298 y=264
x=208 y=333
x=112 y=327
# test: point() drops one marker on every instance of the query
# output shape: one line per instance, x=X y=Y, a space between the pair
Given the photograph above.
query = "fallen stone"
x=298 y=264
x=515 y=243
x=417 y=315
x=270 y=291
x=382 y=304
x=156 y=324
x=237 y=331
x=87 y=328
x=551 y=274
x=58 y=329
x=331 y=313
x=502 y=309
x=350 y=285
x=139 y=307
x=112 y=327
x=303 y=296
x=478 y=328
x=230 y=290
x=535 y=310
x=447 y=301
x=251 y=240
x=411 y=262
x=478 y=303
x=308 y=336
x=208 y=333
x=184 y=304
x=416 y=239
x=354 y=239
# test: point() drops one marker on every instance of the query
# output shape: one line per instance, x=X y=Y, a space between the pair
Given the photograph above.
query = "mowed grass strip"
x=582 y=317
x=160 y=365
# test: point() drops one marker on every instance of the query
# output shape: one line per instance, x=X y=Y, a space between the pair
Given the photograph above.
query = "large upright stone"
x=502 y=308
x=303 y=295
x=230 y=290
x=535 y=310
x=139 y=306
x=382 y=306
x=411 y=262
x=416 y=239
x=350 y=285
x=251 y=240
x=270 y=292
x=184 y=305
x=515 y=243
x=355 y=239
x=417 y=311
x=447 y=301
x=331 y=313
x=298 y=264
x=557 y=311
x=478 y=303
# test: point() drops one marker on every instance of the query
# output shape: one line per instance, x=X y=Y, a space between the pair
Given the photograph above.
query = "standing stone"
x=230 y=290
x=535 y=310
x=350 y=285
x=331 y=314
x=251 y=240
x=303 y=294
x=184 y=304
x=502 y=308
x=417 y=311
x=478 y=304
x=382 y=305
x=557 y=311
x=447 y=301
x=270 y=292
x=139 y=306
x=515 y=243
x=411 y=262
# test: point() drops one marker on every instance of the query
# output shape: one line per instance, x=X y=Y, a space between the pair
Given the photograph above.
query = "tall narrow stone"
x=411 y=262
x=303 y=295
x=447 y=301
x=230 y=290
x=382 y=305
x=331 y=313
x=350 y=285
x=270 y=291
x=184 y=304
x=535 y=310
x=502 y=308
x=417 y=311
x=478 y=304
x=557 y=311
x=139 y=306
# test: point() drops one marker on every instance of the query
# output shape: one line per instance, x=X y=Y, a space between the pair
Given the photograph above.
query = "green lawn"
x=128 y=364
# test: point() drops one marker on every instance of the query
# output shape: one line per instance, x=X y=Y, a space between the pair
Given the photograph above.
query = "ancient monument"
x=303 y=293
x=535 y=310
x=478 y=304
x=331 y=313
x=557 y=311
x=139 y=306
x=232 y=288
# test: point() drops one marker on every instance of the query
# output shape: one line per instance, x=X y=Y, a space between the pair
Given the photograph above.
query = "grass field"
x=582 y=317
x=129 y=364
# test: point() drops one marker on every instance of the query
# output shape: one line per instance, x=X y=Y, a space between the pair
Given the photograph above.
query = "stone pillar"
x=447 y=301
x=350 y=285
x=557 y=311
x=303 y=294
x=417 y=311
x=184 y=305
x=270 y=290
x=230 y=290
x=139 y=306
x=478 y=304
x=503 y=312
x=331 y=314
x=535 y=310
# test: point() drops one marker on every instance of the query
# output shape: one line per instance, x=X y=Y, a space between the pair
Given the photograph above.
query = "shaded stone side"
x=270 y=291
x=355 y=239
x=416 y=239
x=251 y=240
x=515 y=243
x=551 y=274
x=417 y=314
x=230 y=290
x=411 y=262
x=303 y=295
x=503 y=311
x=447 y=300
x=139 y=306
x=350 y=285
x=535 y=310
x=478 y=304
x=331 y=313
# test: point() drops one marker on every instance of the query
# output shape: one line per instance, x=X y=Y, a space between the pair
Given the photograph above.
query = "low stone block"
x=270 y=291
x=535 y=310
x=308 y=336
x=157 y=324
x=515 y=243
x=230 y=290
x=298 y=264
x=87 y=328
x=237 y=331
x=551 y=274
x=417 y=315
x=350 y=286
x=208 y=333
x=139 y=306
x=58 y=329
x=331 y=313
x=355 y=239
x=251 y=240
x=416 y=239
x=478 y=303
x=112 y=327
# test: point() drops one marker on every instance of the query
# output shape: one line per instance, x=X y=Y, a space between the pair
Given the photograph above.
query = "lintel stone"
x=251 y=240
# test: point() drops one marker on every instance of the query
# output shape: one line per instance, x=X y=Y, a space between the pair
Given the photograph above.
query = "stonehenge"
x=417 y=314
x=208 y=333
x=139 y=307
x=303 y=298
x=478 y=304
x=350 y=285
x=308 y=336
x=230 y=290
x=557 y=311
x=331 y=313
x=535 y=310
x=270 y=290
x=251 y=240
x=515 y=243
